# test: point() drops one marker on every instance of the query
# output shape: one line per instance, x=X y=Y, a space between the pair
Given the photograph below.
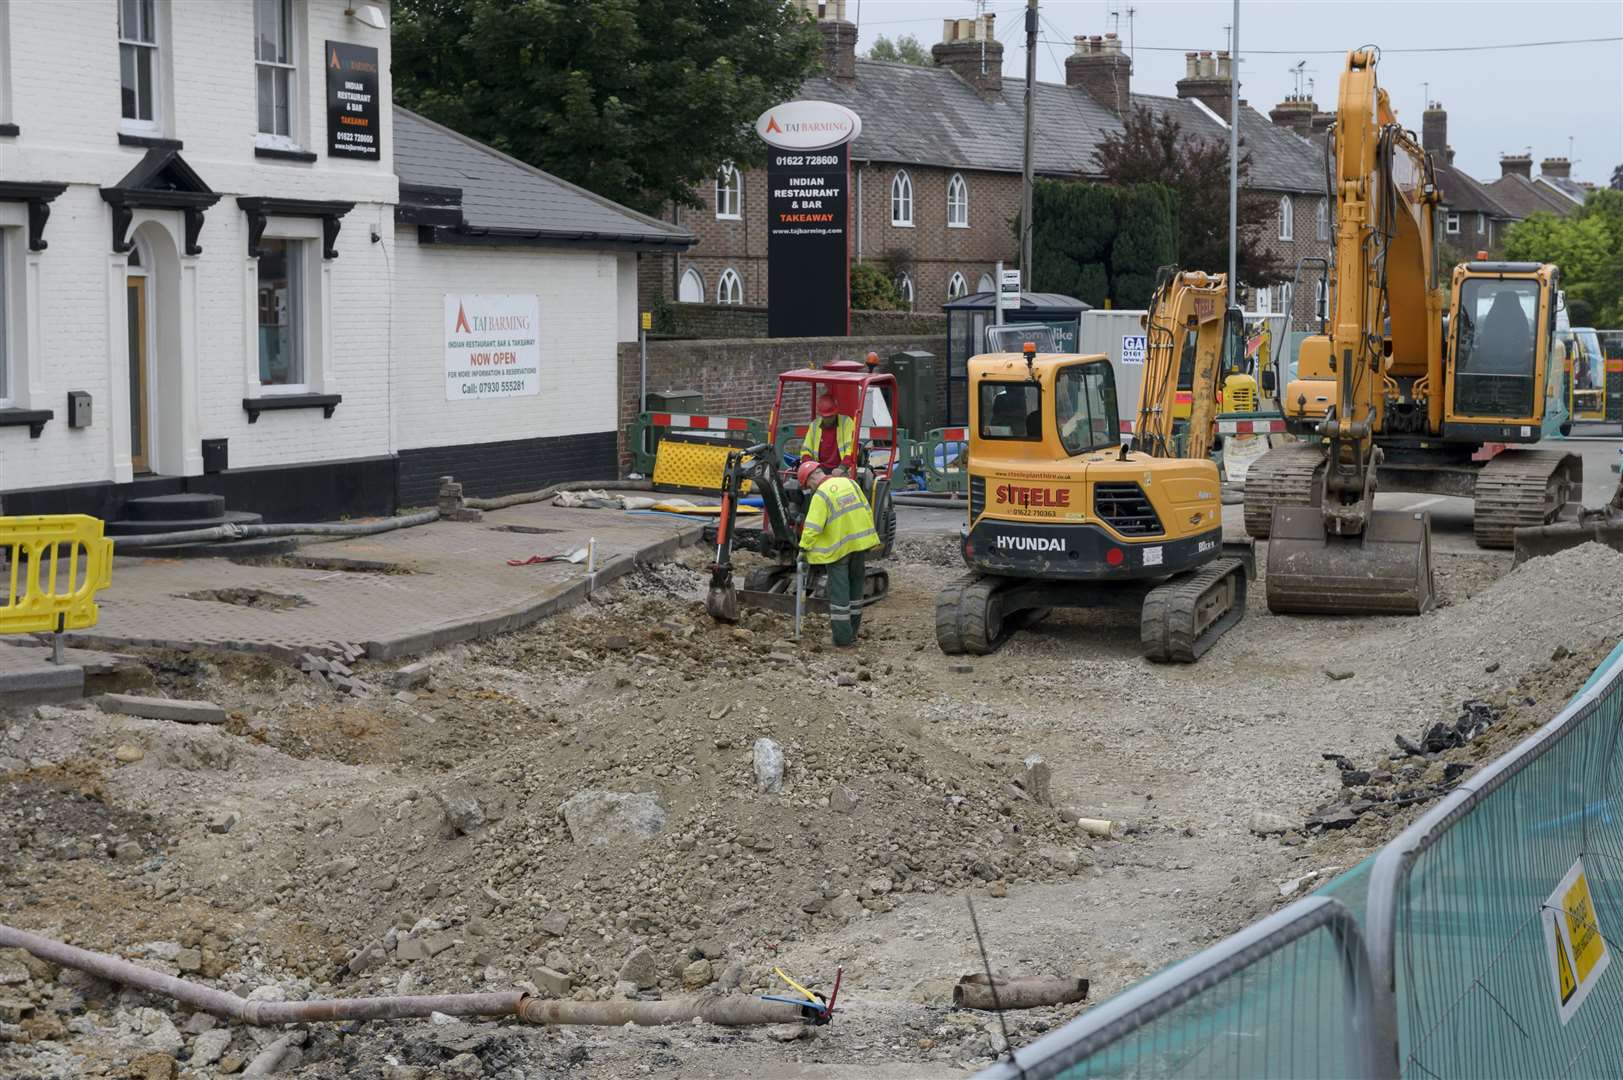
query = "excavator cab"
x=1502 y=365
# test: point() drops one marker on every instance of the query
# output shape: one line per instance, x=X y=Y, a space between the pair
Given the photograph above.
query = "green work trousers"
x=844 y=588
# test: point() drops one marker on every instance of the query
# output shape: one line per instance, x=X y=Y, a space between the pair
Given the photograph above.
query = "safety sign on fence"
x=1132 y=348
x=1573 y=943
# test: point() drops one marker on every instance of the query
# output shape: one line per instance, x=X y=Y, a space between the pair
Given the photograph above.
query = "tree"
x=873 y=290
x=904 y=50
x=1150 y=150
x=635 y=100
x=1587 y=245
x=1099 y=243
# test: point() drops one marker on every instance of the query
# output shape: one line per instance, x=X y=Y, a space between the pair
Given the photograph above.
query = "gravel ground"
x=581 y=801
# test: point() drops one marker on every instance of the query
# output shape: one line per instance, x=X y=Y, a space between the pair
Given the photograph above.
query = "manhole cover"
x=249 y=598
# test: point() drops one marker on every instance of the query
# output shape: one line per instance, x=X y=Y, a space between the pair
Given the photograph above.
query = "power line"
x=1343 y=52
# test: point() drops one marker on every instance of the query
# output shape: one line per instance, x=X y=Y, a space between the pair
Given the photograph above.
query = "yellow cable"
x=808 y=994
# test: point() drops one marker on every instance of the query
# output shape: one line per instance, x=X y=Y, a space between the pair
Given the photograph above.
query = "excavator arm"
x=1185 y=332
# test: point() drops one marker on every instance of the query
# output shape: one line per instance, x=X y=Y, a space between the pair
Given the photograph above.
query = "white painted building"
x=254 y=298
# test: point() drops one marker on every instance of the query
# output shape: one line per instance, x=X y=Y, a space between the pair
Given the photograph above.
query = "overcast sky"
x=1502 y=100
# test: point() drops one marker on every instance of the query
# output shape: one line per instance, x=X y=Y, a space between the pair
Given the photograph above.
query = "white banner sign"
x=492 y=345
x=1132 y=348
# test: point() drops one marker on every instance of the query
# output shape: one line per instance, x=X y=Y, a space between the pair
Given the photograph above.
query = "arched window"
x=691 y=291
x=1286 y=213
x=1323 y=215
x=904 y=285
x=729 y=289
x=901 y=199
x=1321 y=300
x=957 y=202
x=957 y=286
x=986 y=284
x=729 y=192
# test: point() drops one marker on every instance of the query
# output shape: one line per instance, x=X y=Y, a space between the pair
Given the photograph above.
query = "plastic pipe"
x=502 y=502
x=250 y=532
x=730 y=1011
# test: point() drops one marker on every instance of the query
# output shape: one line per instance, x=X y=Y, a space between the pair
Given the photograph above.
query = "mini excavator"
x=1061 y=514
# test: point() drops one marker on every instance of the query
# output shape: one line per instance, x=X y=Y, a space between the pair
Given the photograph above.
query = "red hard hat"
x=826 y=406
x=803 y=473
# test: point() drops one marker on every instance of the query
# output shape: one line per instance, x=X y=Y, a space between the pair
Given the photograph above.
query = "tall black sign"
x=352 y=101
x=809 y=273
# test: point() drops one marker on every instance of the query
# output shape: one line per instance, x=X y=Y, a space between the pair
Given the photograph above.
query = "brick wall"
x=749 y=321
x=1304 y=243
x=740 y=377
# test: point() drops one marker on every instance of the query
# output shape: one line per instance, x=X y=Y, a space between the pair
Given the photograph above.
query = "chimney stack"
x=1434 y=131
x=1206 y=79
x=1557 y=168
x=1098 y=66
x=1296 y=112
x=1516 y=165
x=839 y=37
x=970 y=49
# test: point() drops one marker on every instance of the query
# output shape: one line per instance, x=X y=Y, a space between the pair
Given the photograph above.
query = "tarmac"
x=392 y=595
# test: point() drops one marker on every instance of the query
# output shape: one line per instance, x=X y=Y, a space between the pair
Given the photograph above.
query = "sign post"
x=808 y=217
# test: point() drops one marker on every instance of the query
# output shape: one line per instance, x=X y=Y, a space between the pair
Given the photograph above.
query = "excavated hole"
x=528 y=529
x=259 y=599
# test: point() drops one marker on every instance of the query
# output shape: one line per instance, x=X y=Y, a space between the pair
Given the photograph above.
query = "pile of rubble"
x=334 y=670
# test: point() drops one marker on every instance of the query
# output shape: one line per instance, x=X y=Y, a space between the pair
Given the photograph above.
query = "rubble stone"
x=598 y=817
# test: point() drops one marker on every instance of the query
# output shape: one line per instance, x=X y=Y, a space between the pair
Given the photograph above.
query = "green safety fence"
x=1289 y=996
x=1478 y=943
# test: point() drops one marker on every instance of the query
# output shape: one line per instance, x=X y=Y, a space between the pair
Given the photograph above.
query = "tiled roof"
x=1521 y=197
x=1566 y=186
x=913 y=115
x=1462 y=192
x=501 y=192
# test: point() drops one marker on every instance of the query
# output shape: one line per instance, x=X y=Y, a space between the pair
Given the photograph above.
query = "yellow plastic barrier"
x=55 y=565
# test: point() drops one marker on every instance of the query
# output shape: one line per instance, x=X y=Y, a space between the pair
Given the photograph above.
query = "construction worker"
x=829 y=442
x=839 y=530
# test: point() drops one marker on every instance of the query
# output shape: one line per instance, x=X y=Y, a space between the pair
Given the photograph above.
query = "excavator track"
x=1182 y=618
x=1521 y=488
x=1285 y=476
x=970 y=616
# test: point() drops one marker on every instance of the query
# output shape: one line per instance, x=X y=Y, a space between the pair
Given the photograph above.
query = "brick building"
x=1552 y=192
x=935 y=182
x=1471 y=219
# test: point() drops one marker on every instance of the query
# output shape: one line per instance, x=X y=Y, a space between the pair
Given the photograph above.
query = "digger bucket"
x=1539 y=540
x=1386 y=571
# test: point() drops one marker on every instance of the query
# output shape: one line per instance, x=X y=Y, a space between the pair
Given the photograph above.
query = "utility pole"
x=1234 y=157
x=1025 y=178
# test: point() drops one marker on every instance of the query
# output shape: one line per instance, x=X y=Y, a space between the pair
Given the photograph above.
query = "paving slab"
x=28 y=677
x=393 y=595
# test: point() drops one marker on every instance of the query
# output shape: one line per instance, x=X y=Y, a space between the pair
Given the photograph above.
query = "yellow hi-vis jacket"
x=845 y=436
x=838 y=522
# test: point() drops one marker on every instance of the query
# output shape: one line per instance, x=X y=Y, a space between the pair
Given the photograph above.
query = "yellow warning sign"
x=1573 y=942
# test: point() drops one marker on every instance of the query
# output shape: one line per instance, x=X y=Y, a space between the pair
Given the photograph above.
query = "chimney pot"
x=1190 y=60
x=1101 y=69
x=970 y=50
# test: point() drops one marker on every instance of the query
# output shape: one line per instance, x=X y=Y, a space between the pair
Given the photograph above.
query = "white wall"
x=579 y=298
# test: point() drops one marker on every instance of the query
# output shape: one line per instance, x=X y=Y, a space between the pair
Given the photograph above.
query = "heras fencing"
x=1477 y=944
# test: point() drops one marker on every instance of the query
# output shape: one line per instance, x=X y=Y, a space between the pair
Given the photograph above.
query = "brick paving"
x=449 y=582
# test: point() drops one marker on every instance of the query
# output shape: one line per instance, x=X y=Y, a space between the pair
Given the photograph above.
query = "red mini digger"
x=768 y=469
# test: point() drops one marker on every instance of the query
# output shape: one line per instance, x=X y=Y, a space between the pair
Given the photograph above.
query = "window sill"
x=150 y=142
x=729 y=217
x=10 y=131
x=901 y=224
x=253 y=406
x=277 y=154
x=33 y=419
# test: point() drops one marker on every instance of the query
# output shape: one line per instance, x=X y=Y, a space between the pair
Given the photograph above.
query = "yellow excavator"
x=1061 y=514
x=1394 y=396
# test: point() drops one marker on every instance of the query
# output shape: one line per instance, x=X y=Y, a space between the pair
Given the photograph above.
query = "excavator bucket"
x=722 y=599
x=1537 y=540
x=1386 y=571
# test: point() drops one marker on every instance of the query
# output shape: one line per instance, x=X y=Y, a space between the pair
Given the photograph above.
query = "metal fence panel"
x=1467 y=982
x=1288 y=996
